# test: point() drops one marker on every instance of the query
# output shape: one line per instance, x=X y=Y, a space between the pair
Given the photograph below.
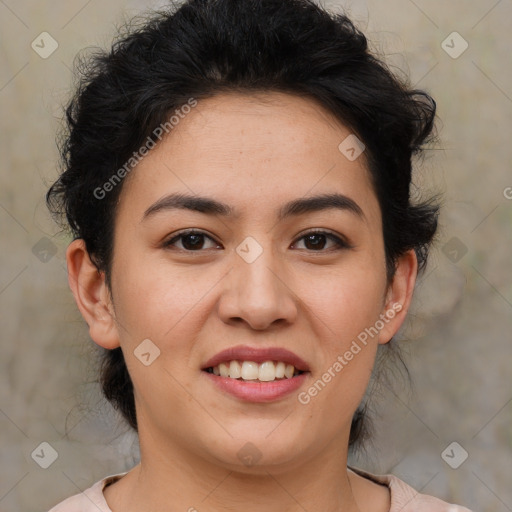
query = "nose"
x=258 y=293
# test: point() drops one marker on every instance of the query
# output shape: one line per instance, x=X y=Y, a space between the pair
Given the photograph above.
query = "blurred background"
x=450 y=435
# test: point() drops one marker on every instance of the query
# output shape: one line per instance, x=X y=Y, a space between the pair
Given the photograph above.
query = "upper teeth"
x=249 y=370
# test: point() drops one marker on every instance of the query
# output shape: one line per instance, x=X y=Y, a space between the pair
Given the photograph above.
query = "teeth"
x=266 y=371
x=223 y=369
x=235 y=370
x=280 y=366
x=249 y=370
x=288 y=371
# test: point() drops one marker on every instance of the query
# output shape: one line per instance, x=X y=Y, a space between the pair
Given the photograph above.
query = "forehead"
x=251 y=150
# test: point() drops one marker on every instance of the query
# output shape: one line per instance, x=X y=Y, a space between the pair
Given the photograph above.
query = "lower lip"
x=252 y=391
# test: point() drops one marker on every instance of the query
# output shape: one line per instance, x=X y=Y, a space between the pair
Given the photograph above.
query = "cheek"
x=344 y=314
x=345 y=306
x=167 y=307
x=345 y=300
x=153 y=300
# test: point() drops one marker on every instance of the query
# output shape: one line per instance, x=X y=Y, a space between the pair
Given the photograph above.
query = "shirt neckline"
x=385 y=480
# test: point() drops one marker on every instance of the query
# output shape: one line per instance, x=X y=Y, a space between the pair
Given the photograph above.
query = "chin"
x=260 y=453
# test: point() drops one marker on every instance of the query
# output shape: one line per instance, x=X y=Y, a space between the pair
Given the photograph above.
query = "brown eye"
x=317 y=240
x=190 y=240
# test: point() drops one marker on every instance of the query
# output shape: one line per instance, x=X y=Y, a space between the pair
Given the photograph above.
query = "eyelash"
x=340 y=242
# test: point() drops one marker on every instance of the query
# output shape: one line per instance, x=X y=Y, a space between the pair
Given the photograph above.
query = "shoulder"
x=406 y=499
x=90 y=500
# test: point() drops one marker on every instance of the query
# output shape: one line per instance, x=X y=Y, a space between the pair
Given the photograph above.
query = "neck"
x=176 y=479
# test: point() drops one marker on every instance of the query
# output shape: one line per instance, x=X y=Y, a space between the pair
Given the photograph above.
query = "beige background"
x=458 y=338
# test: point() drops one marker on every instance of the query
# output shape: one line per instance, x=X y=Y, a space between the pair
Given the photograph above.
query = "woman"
x=236 y=177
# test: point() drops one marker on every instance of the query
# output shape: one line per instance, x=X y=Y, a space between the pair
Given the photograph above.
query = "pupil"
x=195 y=243
x=312 y=237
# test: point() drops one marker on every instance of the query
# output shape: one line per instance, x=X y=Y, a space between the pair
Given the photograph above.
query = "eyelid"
x=196 y=231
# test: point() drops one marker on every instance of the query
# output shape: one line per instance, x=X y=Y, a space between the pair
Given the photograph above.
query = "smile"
x=267 y=371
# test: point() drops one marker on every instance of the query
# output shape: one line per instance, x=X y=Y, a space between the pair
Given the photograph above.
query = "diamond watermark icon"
x=454 y=45
x=44 y=45
x=44 y=455
x=249 y=454
x=454 y=249
x=146 y=352
x=249 y=250
x=351 y=147
x=454 y=455
x=44 y=250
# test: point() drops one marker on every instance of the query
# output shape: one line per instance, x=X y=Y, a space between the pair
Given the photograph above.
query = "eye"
x=191 y=240
x=316 y=240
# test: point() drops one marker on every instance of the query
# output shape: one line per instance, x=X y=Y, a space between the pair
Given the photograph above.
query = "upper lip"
x=258 y=355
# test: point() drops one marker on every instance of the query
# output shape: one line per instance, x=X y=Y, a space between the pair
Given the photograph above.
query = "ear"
x=399 y=295
x=91 y=295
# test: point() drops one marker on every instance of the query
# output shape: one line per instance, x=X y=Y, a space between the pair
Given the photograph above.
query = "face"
x=256 y=273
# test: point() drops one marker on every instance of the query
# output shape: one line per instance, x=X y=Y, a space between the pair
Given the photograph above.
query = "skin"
x=254 y=152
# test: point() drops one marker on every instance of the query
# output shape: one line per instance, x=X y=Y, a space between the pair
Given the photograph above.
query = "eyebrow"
x=210 y=206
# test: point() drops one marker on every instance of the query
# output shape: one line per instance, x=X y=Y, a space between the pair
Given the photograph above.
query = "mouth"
x=256 y=364
x=268 y=371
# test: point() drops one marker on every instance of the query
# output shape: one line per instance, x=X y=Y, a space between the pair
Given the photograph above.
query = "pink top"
x=403 y=497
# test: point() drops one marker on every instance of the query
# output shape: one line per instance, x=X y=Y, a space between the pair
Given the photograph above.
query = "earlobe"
x=91 y=295
x=399 y=295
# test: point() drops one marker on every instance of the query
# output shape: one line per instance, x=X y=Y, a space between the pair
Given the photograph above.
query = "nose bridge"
x=256 y=291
